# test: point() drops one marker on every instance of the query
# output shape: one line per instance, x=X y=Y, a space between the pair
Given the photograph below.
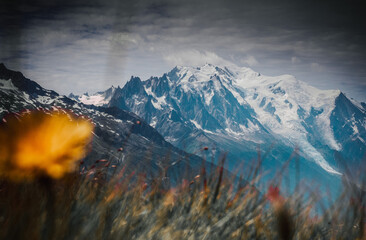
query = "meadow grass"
x=98 y=203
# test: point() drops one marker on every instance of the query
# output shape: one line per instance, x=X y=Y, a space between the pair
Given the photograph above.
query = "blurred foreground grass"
x=85 y=206
x=104 y=201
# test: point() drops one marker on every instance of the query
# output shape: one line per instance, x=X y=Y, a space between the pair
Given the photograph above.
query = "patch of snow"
x=44 y=99
x=157 y=102
x=27 y=99
x=96 y=100
x=76 y=106
x=208 y=97
x=208 y=131
x=160 y=102
x=7 y=84
x=153 y=122
x=196 y=124
x=250 y=129
x=171 y=140
x=354 y=126
x=137 y=102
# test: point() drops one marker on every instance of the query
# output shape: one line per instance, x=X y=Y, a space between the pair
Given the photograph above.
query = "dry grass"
x=129 y=206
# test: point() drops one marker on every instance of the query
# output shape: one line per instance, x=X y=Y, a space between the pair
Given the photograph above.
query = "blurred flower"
x=285 y=223
x=144 y=186
x=42 y=144
x=274 y=196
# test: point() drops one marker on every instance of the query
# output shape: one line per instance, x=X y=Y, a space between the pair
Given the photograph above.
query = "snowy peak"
x=276 y=100
x=208 y=71
x=159 y=86
x=96 y=99
x=12 y=80
x=232 y=106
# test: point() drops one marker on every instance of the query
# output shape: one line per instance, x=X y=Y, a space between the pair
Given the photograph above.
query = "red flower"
x=273 y=195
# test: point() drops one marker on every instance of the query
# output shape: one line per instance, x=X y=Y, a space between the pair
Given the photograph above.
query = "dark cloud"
x=99 y=43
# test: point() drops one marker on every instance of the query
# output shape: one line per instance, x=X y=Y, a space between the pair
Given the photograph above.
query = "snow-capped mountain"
x=114 y=128
x=96 y=99
x=236 y=110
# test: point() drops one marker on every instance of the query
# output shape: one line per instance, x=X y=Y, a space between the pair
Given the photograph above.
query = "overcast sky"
x=78 y=46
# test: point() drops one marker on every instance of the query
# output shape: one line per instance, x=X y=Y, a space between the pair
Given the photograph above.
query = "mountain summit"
x=237 y=109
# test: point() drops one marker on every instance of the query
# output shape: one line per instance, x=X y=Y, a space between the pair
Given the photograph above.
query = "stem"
x=49 y=225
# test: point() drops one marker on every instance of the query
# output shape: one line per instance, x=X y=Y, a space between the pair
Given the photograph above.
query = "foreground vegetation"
x=85 y=206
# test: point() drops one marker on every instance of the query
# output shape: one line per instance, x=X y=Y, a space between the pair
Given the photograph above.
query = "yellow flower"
x=42 y=144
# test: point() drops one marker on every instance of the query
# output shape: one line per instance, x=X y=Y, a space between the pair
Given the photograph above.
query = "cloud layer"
x=89 y=45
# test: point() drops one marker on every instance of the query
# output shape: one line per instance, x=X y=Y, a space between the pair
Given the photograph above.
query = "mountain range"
x=239 y=111
x=120 y=137
x=318 y=135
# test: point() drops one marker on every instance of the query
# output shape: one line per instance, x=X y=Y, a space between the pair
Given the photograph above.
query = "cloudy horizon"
x=79 y=46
